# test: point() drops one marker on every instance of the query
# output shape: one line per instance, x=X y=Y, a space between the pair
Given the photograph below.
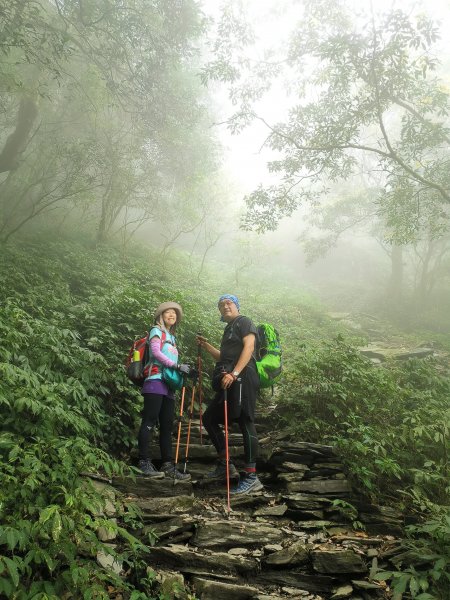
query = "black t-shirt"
x=232 y=344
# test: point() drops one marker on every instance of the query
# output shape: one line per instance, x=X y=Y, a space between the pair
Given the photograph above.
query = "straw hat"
x=165 y=306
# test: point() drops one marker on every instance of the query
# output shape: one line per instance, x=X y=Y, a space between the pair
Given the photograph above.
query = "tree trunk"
x=17 y=141
x=395 y=284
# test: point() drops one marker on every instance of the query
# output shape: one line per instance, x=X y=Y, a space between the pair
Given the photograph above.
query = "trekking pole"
x=227 y=455
x=200 y=387
x=183 y=391
x=191 y=413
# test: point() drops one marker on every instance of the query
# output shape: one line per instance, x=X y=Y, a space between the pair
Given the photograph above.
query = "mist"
x=277 y=170
x=203 y=148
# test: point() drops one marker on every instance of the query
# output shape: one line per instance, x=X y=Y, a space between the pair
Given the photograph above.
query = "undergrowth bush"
x=391 y=425
x=67 y=318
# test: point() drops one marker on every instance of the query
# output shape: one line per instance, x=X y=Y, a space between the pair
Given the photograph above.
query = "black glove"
x=193 y=373
x=184 y=369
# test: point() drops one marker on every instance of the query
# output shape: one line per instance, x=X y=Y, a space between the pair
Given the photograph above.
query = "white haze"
x=245 y=157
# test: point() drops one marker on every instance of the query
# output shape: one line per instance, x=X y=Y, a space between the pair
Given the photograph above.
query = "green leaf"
x=413 y=586
x=382 y=576
x=56 y=526
x=12 y=537
x=12 y=570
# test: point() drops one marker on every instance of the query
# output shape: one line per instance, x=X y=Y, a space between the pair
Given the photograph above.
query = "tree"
x=365 y=92
x=114 y=83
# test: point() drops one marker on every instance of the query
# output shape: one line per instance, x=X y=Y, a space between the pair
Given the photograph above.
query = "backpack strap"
x=164 y=340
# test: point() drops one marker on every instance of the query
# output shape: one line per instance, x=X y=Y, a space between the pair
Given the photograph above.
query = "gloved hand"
x=184 y=369
x=193 y=373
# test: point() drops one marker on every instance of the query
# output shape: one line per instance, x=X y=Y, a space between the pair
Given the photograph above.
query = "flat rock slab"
x=395 y=353
x=288 y=467
x=176 y=505
x=190 y=561
x=170 y=528
x=292 y=476
x=337 y=561
x=323 y=486
x=227 y=534
x=206 y=589
x=319 y=584
x=153 y=488
x=275 y=510
x=306 y=501
x=296 y=554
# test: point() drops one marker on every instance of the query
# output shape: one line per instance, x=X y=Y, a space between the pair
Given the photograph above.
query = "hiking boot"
x=169 y=469
x=247 y=485
x=148 y=469
x=220 y=471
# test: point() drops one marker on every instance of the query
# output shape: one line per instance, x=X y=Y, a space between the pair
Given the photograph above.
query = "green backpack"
x=268 y=355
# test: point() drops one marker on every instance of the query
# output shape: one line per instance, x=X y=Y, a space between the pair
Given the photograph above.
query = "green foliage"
x=67 y=318
x=390 y=423
x=427 y=552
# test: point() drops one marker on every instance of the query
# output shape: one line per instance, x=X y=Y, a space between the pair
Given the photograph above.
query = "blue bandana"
x=229 y=297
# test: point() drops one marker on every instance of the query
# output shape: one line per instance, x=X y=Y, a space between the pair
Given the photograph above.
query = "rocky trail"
x=307 y=535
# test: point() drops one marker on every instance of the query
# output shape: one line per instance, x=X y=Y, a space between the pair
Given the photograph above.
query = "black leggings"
x=157 y=408
x=214 y=416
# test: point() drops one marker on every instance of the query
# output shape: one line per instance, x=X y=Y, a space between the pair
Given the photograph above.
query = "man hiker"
x=236 y=375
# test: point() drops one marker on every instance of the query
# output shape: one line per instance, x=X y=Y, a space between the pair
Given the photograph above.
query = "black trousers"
x=214 y=416
x=156 y=408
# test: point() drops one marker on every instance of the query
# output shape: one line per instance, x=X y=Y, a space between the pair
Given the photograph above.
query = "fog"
x=302 y=144
x=355 y=261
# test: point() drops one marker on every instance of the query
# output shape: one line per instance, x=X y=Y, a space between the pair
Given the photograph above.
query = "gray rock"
x=305 y=501
x=171 y=585
x=107 y=534
x=417 y=353
x=169 y=529
x=296 y=554
x=337 y=561
x=325 y=486
x=190 y=561
x=146 y=486
x=206 y=589
x=227 y=534
x=276 y=510
x=108 y=561
x=169 y=505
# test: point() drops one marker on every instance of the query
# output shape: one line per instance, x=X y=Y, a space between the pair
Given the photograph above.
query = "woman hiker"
x=236 y=372
x=159 y=399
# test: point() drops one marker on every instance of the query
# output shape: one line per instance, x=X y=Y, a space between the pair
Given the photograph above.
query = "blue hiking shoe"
x=247 y=485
